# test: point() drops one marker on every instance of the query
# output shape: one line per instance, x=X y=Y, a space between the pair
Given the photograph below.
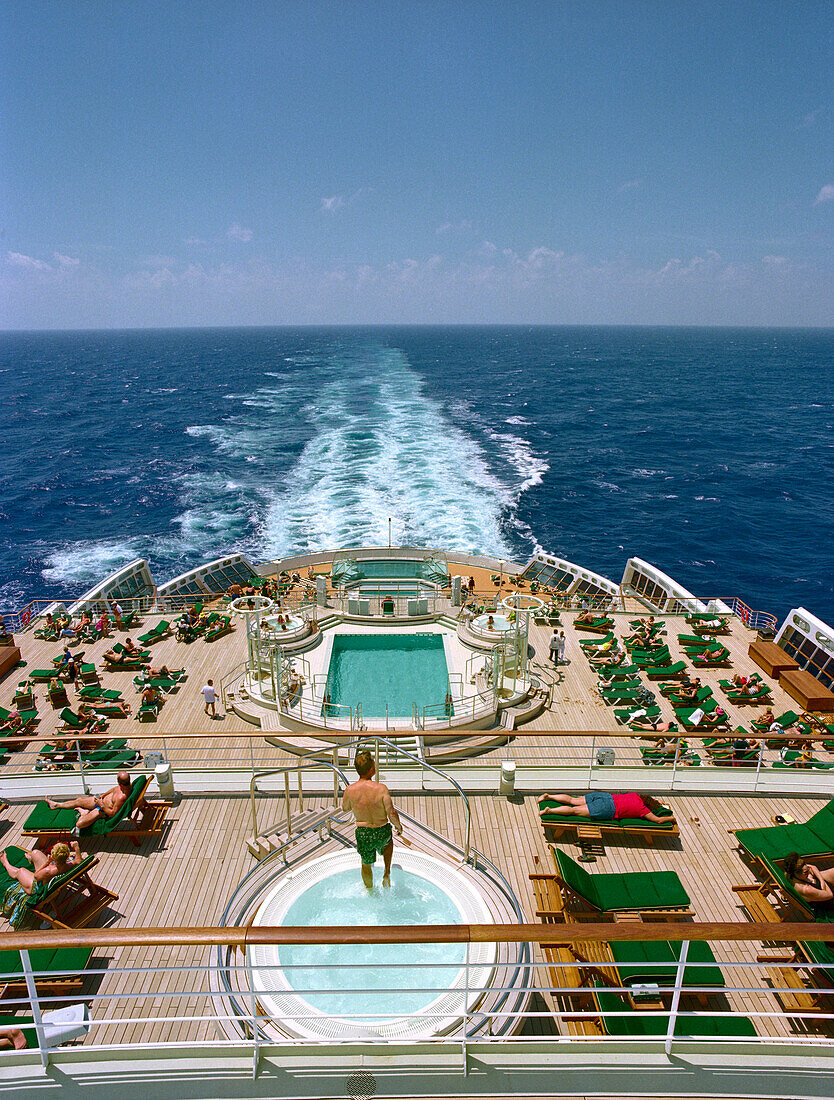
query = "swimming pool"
x=397 y=670
x=399 y=990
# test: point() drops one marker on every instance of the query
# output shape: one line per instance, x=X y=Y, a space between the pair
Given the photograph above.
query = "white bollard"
x=507 y=785
x=165 y=781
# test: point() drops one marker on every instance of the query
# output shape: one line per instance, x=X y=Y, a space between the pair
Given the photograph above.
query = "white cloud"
x=826 y=194
x=454 y=227
x=17 y=259
x=194 y=242
x=810 y=119
x=332 y=204
x=65 y=261
x=629 y=185
x=239 y=233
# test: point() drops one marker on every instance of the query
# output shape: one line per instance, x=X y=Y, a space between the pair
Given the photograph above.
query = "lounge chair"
x=125 y=660
x=70 y=900
x=222 y=625
x=57 y=693
x=558 y=822
x=24 y=697
x=627 y=714
x=712 y=658
x=67 y=964
x=611 y=1007
x=72 y=723
x=42 y=675
x=626 y=691
x=161 y=630
x=814 y=837
x=706 y=623
x=619 y=892
x=618 y=672
x=662 y=672
x=95 y=692
x=703 y=695
x=54 y=824
x=588 y=645
x=793 y=758
x=600 y=625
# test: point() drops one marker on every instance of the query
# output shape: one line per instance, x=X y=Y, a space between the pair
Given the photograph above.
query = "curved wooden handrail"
x=392 y=735
x=634 y=931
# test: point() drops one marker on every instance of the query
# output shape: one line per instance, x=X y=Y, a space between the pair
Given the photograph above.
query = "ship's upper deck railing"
x=771 y=1002
x=575 y=760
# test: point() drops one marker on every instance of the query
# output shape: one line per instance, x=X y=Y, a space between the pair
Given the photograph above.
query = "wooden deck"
x=187 y=876
x=575 y=702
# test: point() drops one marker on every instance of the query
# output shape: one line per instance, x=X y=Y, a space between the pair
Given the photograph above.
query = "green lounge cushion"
x=43 y=819
x=554 y=816
x=623 y=890
x=657 y=1023
x=655 y=961
x=821 y=953
x=774 y=842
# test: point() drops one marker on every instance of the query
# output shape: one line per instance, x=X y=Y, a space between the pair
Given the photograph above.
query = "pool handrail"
x=300 y=766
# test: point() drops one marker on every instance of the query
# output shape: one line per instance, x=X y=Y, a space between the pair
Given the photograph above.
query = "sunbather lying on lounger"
x=644 y=722
x=809 y=881
x=131 y=654
x=12 y=723
x=44 y=867
x=115 y=709
x=92 y=806
x=92 y=722
x=586 y=617
x=607 y=661
x=689 y=691
x=608 y=807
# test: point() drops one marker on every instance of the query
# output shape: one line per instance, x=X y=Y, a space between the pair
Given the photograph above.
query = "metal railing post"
x=759 y=763
x=675 y=761
x=335 y=776
x=300 y=792
x=463 y=1050
x=591 y=761
x=256 y=1037
x=287 y=801
x=676 y=996
x=84 y=786
x=37 y=1018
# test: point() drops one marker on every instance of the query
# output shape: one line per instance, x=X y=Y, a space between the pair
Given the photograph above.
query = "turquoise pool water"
x=394 y=569
x=394 y=669
x=397 y=991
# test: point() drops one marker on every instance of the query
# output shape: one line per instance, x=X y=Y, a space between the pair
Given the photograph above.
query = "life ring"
x=25 y=617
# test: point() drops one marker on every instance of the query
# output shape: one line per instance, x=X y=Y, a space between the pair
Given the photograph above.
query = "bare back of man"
x=372 y=807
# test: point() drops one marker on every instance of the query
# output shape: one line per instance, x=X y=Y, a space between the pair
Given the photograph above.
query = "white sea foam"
x=324 y=458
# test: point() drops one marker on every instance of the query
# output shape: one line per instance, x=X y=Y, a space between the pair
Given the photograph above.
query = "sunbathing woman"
x=585 y=617
x=93 y=724
x=644 y=722
x=607 y=807
x=14 y=904
x=611 y=659
x=809 y=881
x=689 y=692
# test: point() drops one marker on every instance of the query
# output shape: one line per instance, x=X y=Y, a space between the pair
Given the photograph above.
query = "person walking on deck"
x=372 y=807
x=554 y=647
x=210 y=697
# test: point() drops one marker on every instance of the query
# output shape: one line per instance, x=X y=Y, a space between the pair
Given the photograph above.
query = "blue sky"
x=269 y=163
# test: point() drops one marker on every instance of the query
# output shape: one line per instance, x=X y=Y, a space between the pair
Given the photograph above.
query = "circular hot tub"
x=501 y=625
x=374 y=991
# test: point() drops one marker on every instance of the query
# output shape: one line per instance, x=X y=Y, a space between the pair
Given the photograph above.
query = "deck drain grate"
x=361 y=1086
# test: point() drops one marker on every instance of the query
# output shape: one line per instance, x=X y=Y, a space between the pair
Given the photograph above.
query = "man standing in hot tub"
x=371 y=805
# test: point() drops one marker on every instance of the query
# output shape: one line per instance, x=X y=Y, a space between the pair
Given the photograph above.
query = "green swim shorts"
x=370 y=841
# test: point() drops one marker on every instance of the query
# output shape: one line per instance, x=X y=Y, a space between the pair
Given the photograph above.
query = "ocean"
x=708 y=452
